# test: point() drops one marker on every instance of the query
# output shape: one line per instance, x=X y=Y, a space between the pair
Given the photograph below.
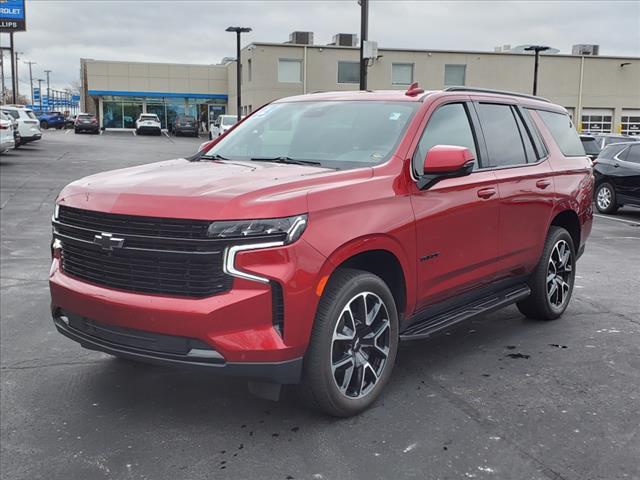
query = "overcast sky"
x=61 y=32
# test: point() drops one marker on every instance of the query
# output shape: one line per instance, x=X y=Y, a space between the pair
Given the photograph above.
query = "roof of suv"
x=402 y=96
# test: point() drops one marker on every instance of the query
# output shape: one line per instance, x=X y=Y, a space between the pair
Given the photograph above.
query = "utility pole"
x=13 y=68
x=31 y=79
x=238 y=31
x=40 y=80
x=536 y=49
x=2 y=73
x=17 y=78
x=48 y=89
x=364 y=35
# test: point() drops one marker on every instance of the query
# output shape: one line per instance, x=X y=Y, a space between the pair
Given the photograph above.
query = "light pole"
x=17 y=78
x=48 y=89
x=40 y=80
x=238 y=31
x=31 y=78
x=364 y=34
x=536 y=49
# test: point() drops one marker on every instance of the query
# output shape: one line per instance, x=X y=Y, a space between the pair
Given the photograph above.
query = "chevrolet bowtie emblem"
x=108 y=241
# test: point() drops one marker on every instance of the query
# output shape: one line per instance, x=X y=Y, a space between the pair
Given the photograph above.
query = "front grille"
x=133 y=225
x=158 y=256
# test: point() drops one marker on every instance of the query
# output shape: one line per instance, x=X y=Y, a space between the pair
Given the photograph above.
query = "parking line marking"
x=66 y=132
x=101 y=132
x=134 y=133
x=631 y=222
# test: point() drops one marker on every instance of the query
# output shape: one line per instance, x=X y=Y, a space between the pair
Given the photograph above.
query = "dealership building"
x=603 y=92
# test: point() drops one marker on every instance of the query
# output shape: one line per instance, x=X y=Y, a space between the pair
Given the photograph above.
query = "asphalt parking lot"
x=500 y=397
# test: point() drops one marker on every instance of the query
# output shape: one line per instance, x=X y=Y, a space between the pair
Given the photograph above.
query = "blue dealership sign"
x=36 y=94
x=12 y=16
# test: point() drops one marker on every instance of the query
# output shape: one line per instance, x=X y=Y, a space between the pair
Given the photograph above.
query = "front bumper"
x=240 y=324
x=168 y=350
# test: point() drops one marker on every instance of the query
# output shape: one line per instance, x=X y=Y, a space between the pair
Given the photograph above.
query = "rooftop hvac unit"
x=301 y=38
x=583 y=49
x=345 y=40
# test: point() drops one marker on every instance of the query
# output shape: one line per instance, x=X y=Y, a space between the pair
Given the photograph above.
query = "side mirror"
x=445 y=161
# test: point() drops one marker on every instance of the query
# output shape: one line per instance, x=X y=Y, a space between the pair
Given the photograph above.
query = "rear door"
x=626 y=173
x=525 y=183
x=457 y=218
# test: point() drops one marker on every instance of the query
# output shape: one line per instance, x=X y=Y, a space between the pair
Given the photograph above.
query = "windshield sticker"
x=395 y=116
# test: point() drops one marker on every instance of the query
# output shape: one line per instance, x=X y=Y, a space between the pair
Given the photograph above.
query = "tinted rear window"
x=590 y=146
x=563 y=132
x=85 y=117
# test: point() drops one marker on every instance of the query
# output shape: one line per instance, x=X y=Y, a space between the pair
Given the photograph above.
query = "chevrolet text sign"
x=12 y=16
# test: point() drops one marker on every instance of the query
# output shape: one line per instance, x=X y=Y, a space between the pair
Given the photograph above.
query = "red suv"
x=302 y=245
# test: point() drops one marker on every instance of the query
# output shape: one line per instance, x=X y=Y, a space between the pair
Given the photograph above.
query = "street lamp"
x=536 y=49
x=238 y=31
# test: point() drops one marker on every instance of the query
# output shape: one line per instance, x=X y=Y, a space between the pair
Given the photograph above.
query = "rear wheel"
x=606 y=198
x=353 y=344
x=552 y=281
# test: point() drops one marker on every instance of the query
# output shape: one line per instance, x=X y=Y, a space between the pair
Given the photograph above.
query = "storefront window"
x=112 y=114
x=159 y=110
x=131 y=112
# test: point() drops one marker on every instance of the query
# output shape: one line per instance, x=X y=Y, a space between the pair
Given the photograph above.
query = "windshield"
x=337 y=134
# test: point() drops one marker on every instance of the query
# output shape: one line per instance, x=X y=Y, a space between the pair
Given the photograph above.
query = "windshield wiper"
x=284 y=159
x=215 y=156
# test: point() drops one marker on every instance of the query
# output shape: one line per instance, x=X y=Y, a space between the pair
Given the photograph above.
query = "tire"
x=357 y=361
x=137 y=132
x=76 y=131
x=210 y=136
x=605 y=198
x=545 y=303
x=44 y=124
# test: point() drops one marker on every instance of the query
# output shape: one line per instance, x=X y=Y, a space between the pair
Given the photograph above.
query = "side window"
x=448 y=125
x=501 y=134
x=526 y=139
x=633 y=154
x=563 y=132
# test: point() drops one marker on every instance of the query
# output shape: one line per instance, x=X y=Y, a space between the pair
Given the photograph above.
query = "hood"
x=208 y=190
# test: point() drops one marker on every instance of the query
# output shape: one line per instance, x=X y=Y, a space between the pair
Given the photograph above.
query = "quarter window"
x=402 y=73
x=563 y=132
x=502 y=136
x=289 y=71
x=633 y=154
x=348 y=72
x=448 y=125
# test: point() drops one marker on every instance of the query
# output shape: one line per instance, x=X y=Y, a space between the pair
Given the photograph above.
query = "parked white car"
x=28 y=123
x=148 y=123
x=221 y=125
x=6 y=135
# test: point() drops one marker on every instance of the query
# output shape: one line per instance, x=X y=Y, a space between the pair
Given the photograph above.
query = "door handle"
x=543 y=184
x=616 y=165
x=486 y=192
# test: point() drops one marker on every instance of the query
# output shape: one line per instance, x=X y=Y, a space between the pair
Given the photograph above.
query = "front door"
x=457 y=218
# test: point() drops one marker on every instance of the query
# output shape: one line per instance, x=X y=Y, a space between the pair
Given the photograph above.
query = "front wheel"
x=606 y=198
x=552 y=281
x=353 y=344
x=44 y=125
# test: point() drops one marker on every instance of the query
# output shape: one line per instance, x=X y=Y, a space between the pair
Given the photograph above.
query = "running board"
x=430 y=325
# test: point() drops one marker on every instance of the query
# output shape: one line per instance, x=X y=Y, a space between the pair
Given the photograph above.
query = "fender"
x=370 y=243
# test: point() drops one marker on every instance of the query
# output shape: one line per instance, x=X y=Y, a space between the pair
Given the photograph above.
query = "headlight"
x=289 y=229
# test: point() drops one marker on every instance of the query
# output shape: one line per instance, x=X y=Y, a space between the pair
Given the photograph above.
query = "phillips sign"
x=12 y=16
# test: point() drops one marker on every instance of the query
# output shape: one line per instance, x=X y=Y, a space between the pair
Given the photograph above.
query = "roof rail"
x=490 y=90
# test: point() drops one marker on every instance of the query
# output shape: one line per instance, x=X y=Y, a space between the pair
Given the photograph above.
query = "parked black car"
x=185 y=125
x=617 y=173
x=591 y=146
x=86 y=122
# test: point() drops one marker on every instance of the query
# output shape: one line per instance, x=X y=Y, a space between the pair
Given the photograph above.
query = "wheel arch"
x=380 y=257
x=569 y=220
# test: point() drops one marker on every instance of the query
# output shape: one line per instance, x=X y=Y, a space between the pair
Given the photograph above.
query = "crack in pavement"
x=47 y=365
